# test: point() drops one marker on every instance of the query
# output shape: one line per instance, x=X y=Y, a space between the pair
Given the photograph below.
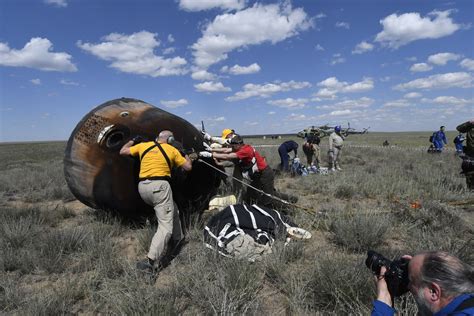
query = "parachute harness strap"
x=254 y=188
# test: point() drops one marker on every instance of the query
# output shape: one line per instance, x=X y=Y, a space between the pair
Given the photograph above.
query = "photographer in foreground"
x=440 y=283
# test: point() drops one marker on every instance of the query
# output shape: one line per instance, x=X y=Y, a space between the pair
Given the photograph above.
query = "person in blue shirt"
x=440 y=283
x=458 y=140
x=439 y=139
x=283 y=151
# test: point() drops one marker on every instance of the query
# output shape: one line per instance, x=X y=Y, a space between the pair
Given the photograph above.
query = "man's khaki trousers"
x=158 y=194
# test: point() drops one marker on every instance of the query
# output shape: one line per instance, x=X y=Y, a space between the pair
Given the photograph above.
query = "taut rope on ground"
x=310 y=211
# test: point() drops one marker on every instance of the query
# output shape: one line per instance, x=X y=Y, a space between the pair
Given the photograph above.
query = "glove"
x=137 y=139
x=193 y=156
x=206 y=136
x=205 y=154
x=206 y=146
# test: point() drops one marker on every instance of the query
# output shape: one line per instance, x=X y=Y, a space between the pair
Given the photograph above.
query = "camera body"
x=396 y=274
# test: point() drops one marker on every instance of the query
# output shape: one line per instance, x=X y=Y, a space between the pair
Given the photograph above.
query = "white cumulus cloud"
x=319 y=48
x=467 y=63
x=363 y=102
x=289 y=103
x=340 y=112
x=241 y=70
x=363 y=47
x=442 y=58
x=202 y=75
x=297 y=117
x=420 y=67
x=37 y=54
x=58 y=3
x=450 y=100
x=135 y=54
x=36 y=82
x=400 y=103
x=344 y=25
x=266 y=90
x=337 y=59
x=399 y=30
x=174 y=103
x=330 y=87
x=439 y=81
x=68 y=82
x=412 y=95
x=255 y=25
x=168 y=50
x=211 y=86
x=199 y=5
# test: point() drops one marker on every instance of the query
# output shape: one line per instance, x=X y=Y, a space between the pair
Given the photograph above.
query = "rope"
x=258 y=190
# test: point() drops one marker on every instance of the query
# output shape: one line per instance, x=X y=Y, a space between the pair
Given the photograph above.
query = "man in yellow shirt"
x=156 y=161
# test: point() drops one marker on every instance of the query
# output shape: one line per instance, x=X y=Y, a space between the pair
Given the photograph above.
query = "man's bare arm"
x=125 y=150
x=188 y=165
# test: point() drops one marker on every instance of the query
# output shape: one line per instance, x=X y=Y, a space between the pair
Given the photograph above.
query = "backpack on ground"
x=297 y=168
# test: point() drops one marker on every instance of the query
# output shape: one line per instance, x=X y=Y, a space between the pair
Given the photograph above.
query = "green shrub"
x=344 y=191
x=220 y=285
x=359 y=231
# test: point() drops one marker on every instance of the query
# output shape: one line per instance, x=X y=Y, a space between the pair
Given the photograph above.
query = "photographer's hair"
x=449 y=272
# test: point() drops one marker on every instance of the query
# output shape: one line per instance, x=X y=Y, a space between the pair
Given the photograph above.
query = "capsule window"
x=114 y=139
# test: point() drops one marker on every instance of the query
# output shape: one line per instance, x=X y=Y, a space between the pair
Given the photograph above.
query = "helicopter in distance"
x=326 y=130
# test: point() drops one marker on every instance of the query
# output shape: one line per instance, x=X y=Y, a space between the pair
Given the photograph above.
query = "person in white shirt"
x=336 y=140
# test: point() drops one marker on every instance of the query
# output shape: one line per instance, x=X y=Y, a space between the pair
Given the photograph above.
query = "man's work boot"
x=338 y=168
x=146 y=265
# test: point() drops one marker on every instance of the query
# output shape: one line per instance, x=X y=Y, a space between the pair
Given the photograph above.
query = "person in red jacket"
x=254 y=168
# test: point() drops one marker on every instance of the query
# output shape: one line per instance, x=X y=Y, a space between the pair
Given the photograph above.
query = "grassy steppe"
x=60 y=257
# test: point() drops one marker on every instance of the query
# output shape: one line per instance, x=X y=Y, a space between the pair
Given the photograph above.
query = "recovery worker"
x=468 y=158
x=224 y=140
x=283 y=151
x=157 y=159
x=254 y=168
x=311 y=148
x=439 y=139
x=458 y=140
x=336 y=141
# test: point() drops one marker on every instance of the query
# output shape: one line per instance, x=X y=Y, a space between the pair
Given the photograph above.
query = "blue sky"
x=255 y=66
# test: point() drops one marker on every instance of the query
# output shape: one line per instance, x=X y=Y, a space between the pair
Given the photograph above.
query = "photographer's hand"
x=383 y=294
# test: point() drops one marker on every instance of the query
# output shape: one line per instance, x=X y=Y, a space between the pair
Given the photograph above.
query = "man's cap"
x=227 y=132
x=337 y=128
x=236 y=140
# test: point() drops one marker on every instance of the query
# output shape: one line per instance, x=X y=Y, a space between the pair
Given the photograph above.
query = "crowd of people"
x=441 y=283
